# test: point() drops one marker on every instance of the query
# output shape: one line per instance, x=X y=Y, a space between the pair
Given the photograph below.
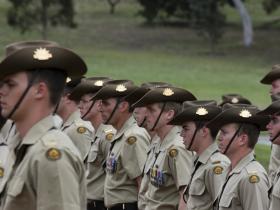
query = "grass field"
x=121 y=46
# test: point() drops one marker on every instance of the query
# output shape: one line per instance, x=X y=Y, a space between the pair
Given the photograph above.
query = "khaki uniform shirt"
x=274 y=163
x=3 y=156
x=44 y=171
x=169 y=167
x=275 y=192
x=246 y=187
x=142 y=200
x=125 y=163
x=210 y=173
x=80 y=132
x=96 y=161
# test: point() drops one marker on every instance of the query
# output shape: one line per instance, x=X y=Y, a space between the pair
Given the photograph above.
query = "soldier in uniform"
x=274 y=129
x=211 y=166
x=273 y=79
x=141 y=119
x=100 y=144
x=44 y=170
x=247 y=184
x=80 y=131
x=234 y=98
x=127 y=153
x=169 y=164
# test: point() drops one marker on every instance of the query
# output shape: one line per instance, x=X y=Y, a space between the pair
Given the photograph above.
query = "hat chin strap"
x=118 y=101
x=89 y=109
x=30 y=83
x=193 y=137
x=232 y=138
x=142 y=123
x=161 y=111
x=275 y=137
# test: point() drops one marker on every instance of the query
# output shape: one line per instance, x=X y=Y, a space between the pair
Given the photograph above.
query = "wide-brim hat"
x=143 y=89
x=272 y=75
x=272 y=109
x=88 y=85
x=36 y=55
x=234 y=98
x=116 y=89
x=165 y=94
x=239 y=113
x=197 y=111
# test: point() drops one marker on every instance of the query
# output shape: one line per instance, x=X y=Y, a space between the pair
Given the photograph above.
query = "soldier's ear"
x=40 y=90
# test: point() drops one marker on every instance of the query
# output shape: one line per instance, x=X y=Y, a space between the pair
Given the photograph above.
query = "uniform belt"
x=124 y=206
x=95 y=205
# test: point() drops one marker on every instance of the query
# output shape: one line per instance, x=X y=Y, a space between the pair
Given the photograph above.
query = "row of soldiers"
x=99 y=143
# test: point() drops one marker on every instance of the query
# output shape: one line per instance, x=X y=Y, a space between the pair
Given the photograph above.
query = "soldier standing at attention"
x=128 y=149
x=273 y=129
x=80 y=132
x=45 y=170
x=211 y=166
x=247 y=184
x=169 y=164
x=273 y=79
x=100 y=144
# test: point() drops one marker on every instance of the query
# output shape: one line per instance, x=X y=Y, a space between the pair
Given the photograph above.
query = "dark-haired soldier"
x=247 y=184
x=45 y=170
x=211 y=166
x=128 y=149
x=169 y=164
x=80 y=131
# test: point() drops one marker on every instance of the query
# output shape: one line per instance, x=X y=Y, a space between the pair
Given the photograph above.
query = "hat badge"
x=245 y=113
x=42 y=54
x=121 y=88
x=234 y=100
x=201 y=111
x=68 y=79
x=98 y=83
x=168 y=92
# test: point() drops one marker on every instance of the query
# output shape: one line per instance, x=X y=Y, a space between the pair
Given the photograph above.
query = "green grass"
x=263 y=154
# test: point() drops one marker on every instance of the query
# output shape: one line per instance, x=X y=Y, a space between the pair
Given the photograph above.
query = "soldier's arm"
x=182 y=203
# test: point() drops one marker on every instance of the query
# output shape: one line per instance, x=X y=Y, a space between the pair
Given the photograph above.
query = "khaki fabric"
x=96 y=160
x=275 y=192
x=142 y=200
x=274 y=163
x=246 y=187
x=125 y=163
x=207 y=180
x=80 y=132
x=44 y=171
x=169 y=167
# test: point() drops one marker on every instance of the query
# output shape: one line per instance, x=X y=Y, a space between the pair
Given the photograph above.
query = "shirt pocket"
x=197 y=188
x=227 y=200
x=92 y=153
x=15 y=187
x=276 y=190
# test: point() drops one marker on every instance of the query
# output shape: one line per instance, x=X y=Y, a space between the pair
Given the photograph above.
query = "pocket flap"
x=197 y=188
x=226 y=200
x=15 y=187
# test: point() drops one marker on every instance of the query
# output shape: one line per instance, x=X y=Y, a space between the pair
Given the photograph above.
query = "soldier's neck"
x=163 y=131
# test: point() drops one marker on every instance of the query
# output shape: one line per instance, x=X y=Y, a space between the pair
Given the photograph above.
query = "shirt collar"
x=243 y=163
x=206 y=154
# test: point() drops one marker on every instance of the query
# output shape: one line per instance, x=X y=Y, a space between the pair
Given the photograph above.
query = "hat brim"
x=191 y=115
x=231 y=116
x=61 y=59
x=270 y=77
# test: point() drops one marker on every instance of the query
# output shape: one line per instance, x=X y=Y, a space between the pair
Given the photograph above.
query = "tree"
x=29 y=14
x=113 y=4
x=208 y=20
x=271 y=5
